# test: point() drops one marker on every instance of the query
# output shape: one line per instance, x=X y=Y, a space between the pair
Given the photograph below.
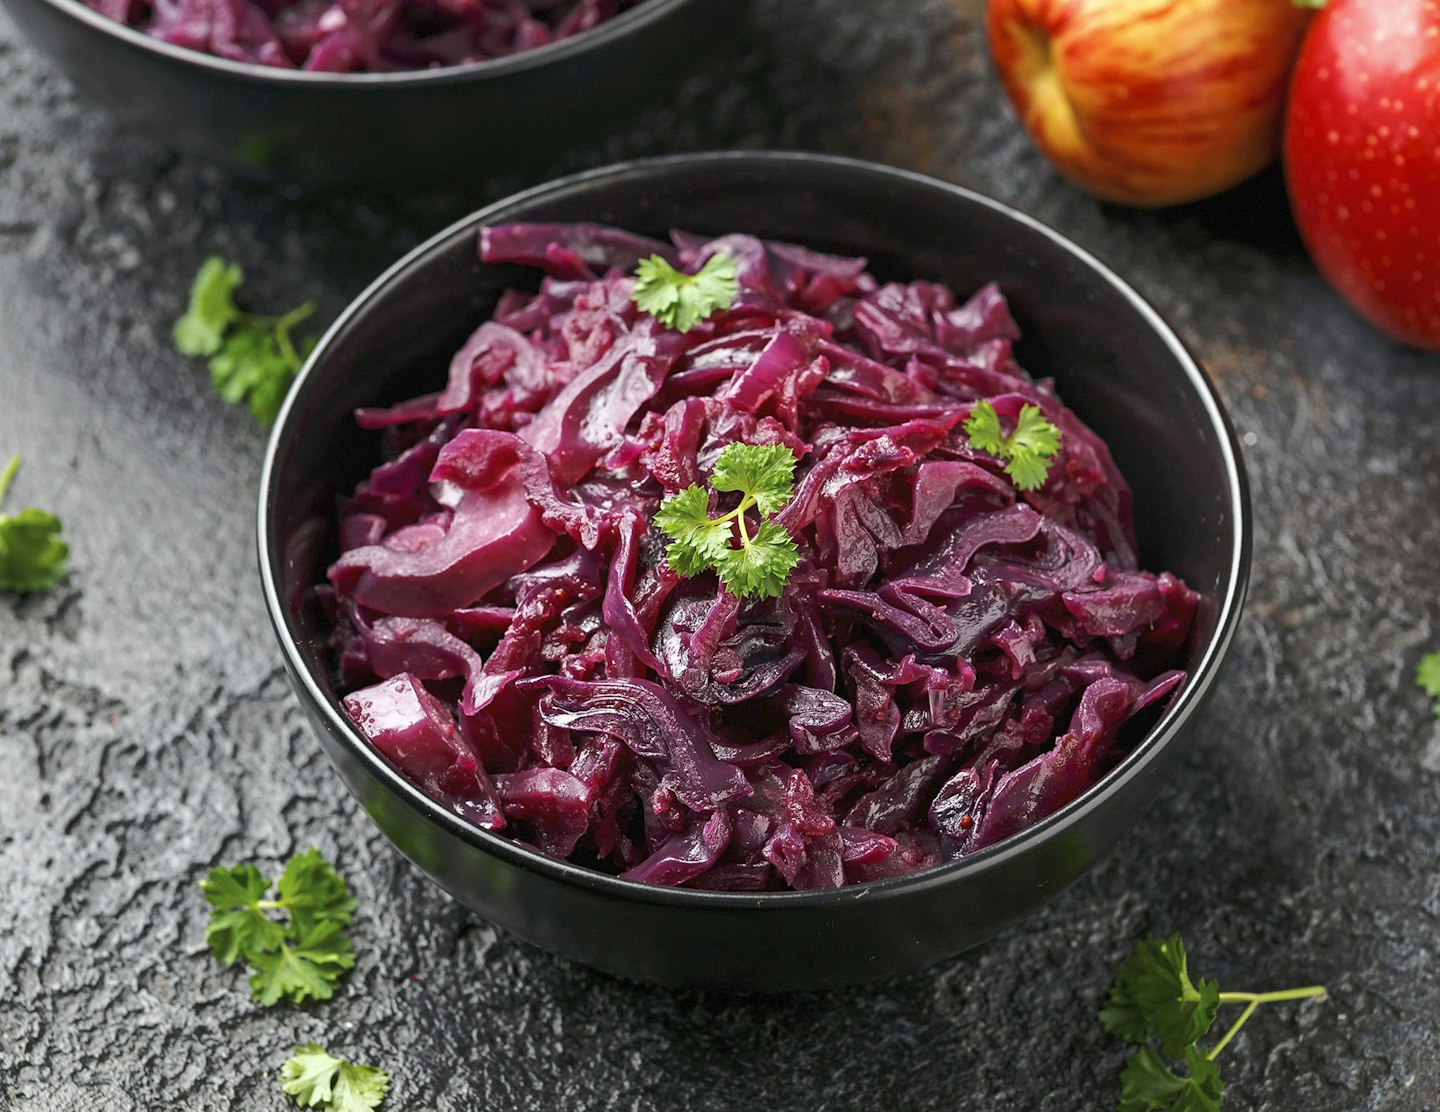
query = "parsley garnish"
x=317 y=1079
x=32 y=555
x=252 y=358
x=1154 y=998
x=303 y=957
x=1427 y=675
x=681 y=301
x=1027 y=451
x=764 y=477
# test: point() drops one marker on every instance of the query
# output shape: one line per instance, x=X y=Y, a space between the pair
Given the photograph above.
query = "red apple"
x=1149 y=102
x=1362 y=159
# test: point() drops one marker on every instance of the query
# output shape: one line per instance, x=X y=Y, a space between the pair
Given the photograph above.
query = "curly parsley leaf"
x=32 y=554
x=300 y=958
x=764 y=472
x=697 y=540
x=1427 y=675
x=760 y=567
x=1154 y=998
x=1147 y=1084
x=252 y=359
x=318 y=1079
x=681 y=301
x=1153 y=995
x=763 y=476
x=1027 y=451
x=237 y=924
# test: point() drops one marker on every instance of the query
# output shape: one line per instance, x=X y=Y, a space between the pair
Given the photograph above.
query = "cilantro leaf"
x=765 y=472
x=317 y=1079
x=1427 y=675
x=983 y=425
x=212 y=308
x=300 y=958
x=32 y=554
x=1153 y=995
x=1027 y=451
x=1148 y=1085
x=252 y=359
x=763 y=476
x=681 y=301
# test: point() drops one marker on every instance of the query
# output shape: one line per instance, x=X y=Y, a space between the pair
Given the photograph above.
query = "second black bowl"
x=1116 y=364
x=421 y=129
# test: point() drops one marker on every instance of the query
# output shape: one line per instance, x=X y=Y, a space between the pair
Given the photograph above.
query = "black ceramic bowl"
x=414 y=130
x=1116 y=363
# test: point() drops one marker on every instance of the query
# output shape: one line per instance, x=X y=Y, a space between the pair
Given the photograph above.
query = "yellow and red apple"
x=1149 y=102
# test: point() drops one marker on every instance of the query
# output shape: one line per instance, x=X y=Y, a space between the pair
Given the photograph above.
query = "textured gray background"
x=146 y=732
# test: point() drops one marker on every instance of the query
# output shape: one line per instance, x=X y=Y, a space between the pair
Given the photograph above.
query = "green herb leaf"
x=1027 y=451
x=698 y=541
x=760 y=565
x=212 y=308
x=681 y=301
x=317 y=1079
x=1153 y=995
x=237 y=925
x=1427 y=675
x=765 y=472
x=252 y=359
x=32 y=554
x=300 y=958
x=308 y=970
x=1148 y=1085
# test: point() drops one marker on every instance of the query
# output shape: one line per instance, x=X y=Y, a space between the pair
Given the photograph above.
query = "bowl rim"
x=603 y=34
x=1191 y=697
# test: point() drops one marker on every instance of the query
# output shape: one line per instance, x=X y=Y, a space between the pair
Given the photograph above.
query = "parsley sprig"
x=681 y=301
x=306 y=955
x=1154 y=998
x=1027 y=451
x=1427 y=675
x=317 y=1079
x=253 y=359
x=758 y=567
x=32 y=553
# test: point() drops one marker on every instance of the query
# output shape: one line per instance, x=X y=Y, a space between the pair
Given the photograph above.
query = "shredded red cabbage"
x=352 y=36
x=951 y=661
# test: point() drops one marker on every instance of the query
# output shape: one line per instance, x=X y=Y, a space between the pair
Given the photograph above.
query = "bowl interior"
x=1114 y=362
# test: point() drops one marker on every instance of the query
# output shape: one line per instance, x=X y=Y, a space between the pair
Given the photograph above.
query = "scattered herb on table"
x=1427 y=675
x=1027 y=451
x=317 y=1079
x=303 y=956
x=253 y=359
x=763 y=475
x=1154 y=999
x=32 y=554
x=681 y=301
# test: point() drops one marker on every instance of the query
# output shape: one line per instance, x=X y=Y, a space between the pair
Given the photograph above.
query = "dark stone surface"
x=146 y=732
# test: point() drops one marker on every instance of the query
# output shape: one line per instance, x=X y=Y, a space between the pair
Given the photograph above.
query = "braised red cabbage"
x=351 y=36
x=951 y=661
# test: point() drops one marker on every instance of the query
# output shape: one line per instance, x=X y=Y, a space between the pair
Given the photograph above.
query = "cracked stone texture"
x=146 y=732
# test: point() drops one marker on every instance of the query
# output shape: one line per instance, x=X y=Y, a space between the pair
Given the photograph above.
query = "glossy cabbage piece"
x=952 y=660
